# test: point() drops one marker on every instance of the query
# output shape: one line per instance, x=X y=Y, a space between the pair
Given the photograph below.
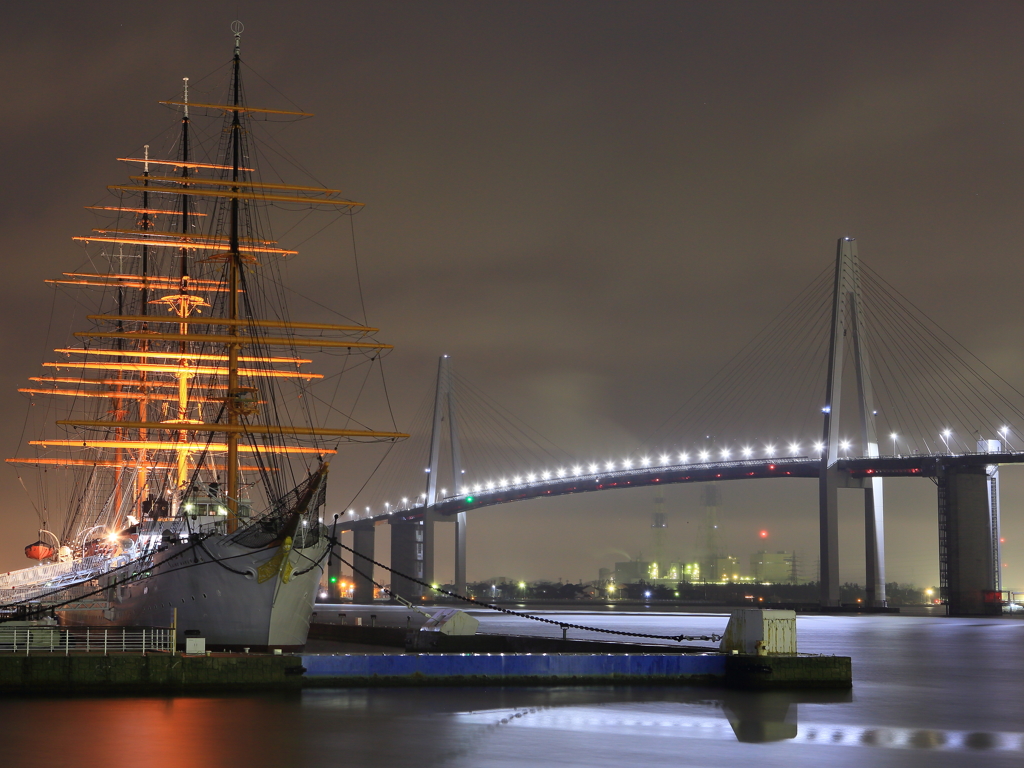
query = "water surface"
x=927 y=691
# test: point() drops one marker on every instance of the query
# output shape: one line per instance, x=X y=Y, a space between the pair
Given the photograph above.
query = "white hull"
x=213 y=590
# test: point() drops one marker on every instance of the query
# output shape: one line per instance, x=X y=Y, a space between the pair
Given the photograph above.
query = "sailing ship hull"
x=216 y=589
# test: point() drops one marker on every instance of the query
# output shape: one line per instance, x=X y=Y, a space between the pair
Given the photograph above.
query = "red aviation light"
x=764 y=534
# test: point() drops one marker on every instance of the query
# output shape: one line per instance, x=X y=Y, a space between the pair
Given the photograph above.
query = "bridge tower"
x=848 y=326
x=445 y=404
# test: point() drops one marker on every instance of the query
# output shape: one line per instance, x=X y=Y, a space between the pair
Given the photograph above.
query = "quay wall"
x=152 y=673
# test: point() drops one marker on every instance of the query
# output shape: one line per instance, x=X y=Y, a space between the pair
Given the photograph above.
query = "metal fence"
x=103 y=640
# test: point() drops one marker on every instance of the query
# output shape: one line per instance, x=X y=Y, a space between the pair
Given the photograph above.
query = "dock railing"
x=103 y=640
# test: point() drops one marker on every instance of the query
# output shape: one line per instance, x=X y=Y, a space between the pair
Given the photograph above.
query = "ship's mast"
x=184 y=306
x=234 y=266
x=141 y=475
x=234 y=328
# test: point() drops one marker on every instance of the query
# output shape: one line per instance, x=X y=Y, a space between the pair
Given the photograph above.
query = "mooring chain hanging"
x=561 y=624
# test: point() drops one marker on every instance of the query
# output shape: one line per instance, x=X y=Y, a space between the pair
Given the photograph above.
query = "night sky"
x=590 y=206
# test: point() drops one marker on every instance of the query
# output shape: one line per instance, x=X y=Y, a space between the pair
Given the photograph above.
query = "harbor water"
x=927 y=690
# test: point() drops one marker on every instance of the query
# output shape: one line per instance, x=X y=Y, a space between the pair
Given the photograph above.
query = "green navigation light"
x=333 y=579
x=469 y=499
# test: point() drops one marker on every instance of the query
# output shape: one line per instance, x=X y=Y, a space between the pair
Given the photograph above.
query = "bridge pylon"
x=848 y=326
x=445 y=402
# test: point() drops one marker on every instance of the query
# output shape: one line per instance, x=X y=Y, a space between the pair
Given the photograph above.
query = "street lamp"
x=893 y=436
x=945 y=438
x=1005 y=431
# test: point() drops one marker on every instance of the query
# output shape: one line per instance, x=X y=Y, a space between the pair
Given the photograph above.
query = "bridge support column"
x=874 y=543
x=362 y=575
x=460 y=553
x=968 y=540
x=412 y=554
x=828 y=531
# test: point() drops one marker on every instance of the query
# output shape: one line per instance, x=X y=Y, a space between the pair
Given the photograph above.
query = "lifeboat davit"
x=39 y=551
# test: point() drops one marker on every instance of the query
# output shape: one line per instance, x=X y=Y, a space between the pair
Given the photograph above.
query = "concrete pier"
x=412 y=552
x=968 y=540
x=363 y=543
x=47 y=673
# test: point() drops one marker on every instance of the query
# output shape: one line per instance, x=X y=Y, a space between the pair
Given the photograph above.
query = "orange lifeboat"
x=39 y=551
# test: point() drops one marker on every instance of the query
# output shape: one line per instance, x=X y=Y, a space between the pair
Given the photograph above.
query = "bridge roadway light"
x=1004 y=432
x=794 y=449
x=683 y=457
x=545 y=475
x=845 y=445
x=747 y=450
x=517 y=480
x=769 y=450
x=610 y=466
x=724 y=453
x=945 y=438
x=893 y=436
x=530 y=477
x=819 y=447
x=593 y=467
x=704 y=455
x=645 y=462
x=560 y=472
x=627 y=464
x=665 y=459
x=577 y=469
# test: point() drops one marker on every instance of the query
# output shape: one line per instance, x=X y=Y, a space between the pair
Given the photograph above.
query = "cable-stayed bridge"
x=917 y=404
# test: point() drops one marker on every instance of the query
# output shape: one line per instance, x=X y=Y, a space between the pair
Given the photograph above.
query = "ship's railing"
x=52 y=571
x=103 y=640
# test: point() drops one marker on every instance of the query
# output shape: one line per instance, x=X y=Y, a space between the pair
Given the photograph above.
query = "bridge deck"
x=916 y=465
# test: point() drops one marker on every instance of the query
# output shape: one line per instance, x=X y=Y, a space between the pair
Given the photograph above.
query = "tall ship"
x=185 y=418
